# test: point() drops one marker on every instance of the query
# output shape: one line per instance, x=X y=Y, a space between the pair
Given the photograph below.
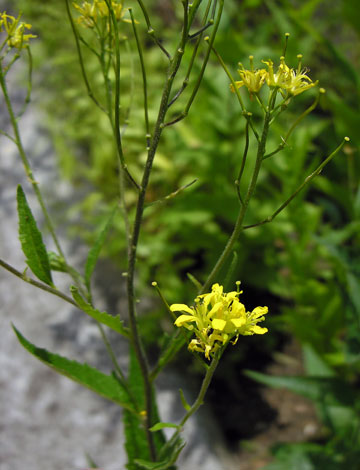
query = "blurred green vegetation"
x=306 y=264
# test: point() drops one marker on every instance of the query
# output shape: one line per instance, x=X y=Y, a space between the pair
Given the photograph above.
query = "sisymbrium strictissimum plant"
x=217 y=318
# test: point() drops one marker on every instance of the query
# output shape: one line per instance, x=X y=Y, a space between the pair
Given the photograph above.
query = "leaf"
x=193 y=279
x=159 y=426
x=135 y=437
x=31 y=241
x=183 y=400
x=314 y=363
x=102 y=317
x=136 y=444
x=167 y=464
x=328 y=390
x=95 y=250
x=57 y=263
x=105 y=385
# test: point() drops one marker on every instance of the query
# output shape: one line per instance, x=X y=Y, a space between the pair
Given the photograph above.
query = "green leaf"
x=136 y=444
x=31 y=241
x=314 y=363
x=57 y=263
x=159 y=426
x=183 y=400
x=135 y=437
x=102 y=384
x=95 y=250
x=193 y=279
x=323 y=390
x=102 y=317
x=166 y=464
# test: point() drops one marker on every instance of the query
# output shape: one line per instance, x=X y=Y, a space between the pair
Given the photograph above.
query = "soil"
x=294 y=416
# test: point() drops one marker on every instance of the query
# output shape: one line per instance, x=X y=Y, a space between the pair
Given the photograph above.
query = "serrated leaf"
x=159 y=426
x=102 y=317
x=136 y=443
x=105 y=385
x=31 y=240
x=95 y=250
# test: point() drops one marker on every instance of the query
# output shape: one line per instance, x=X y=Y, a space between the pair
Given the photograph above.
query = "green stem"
x=159 y=126
x=116 y=127
x=81 y=61
x=199 y=400
x=238 y=225
x=151 y=30
x=40 y=285
x=301 y=187
x=27 y=167
x=202 y=71
x=296 y=123
x=143 y=72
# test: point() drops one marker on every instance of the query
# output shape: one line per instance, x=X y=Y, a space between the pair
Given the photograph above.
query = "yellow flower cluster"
x=218 y=318
x=91 y=11
x=15 y=30
x=289 y=81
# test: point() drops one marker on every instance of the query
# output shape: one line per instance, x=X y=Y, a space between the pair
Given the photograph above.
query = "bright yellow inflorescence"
x=289 y=82
x=15 y=30
x=98 y=9
x=218 y=318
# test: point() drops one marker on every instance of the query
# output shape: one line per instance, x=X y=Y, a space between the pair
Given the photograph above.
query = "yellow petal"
x=258 y=330
x=238 y=322
x=215 y=308
x=181 y=308
x=218 y=324
x=184 y=319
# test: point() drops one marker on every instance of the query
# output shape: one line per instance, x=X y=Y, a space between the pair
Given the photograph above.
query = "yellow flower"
x=15 y=30
x=289 y=80
x=299 y=82
x=91 y=11
x=252 y=79
x=218 y=318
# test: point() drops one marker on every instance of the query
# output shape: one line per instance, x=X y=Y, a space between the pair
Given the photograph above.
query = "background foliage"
x=306 y=264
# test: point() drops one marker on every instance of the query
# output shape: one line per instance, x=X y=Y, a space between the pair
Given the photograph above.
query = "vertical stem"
x=159 y=126
x=238 y=225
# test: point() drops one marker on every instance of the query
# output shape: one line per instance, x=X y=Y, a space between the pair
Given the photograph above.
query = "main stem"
x=239 y=221
x=136 y=340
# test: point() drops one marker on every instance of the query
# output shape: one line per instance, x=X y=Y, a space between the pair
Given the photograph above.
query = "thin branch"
x=144 y=80
x=243 y=160
x=192 y=60
x=40 y=285
x=151 y=30
x=301 y=187
x=296 y=123
x=81 y=61
x=171 y=195
x=29 y=83
x=202 y=71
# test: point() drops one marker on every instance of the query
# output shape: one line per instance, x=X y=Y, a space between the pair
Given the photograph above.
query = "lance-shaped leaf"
x=102 y=317
x=135 y=436
x=31 y=241
x=105 y=385
x=95 y=250
x=329 y=390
